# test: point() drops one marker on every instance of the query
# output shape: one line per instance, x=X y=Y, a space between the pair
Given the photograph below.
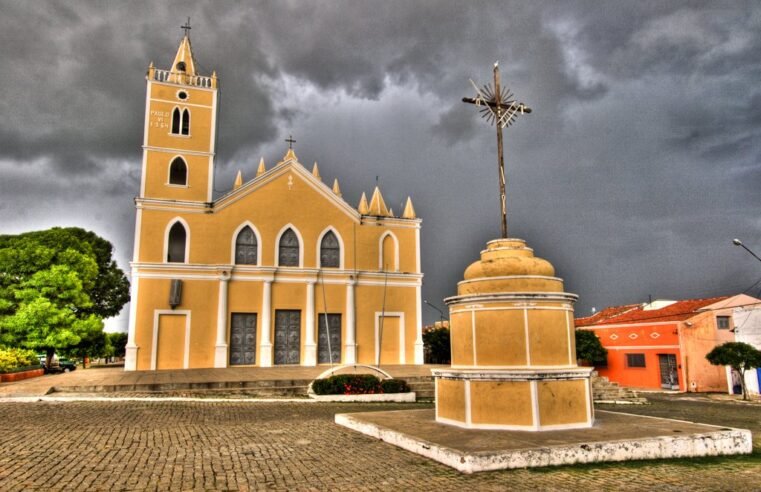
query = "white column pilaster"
x=220 y=349
x=310 y=347
x=265 y=347
x=350 y=345
x=130 y=356
x=418 y=327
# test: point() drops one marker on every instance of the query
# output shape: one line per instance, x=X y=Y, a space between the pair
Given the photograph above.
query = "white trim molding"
x=382 y=252
x=258 y=243
x=169 y=172
x=277 y=244
x=390 y=314
x=169 y=226
x=318 y=248
x=155 y=342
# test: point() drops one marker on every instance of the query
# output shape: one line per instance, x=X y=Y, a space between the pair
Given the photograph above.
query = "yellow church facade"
x=280 y=270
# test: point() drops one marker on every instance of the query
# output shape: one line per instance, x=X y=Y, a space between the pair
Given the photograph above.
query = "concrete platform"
x=614 y=437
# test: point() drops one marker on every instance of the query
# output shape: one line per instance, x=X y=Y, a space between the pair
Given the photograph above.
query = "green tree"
x=737 y=355
x=24 y=254
x=56 y=286
x=119 y=343
x=436 y=345
x=589 y=347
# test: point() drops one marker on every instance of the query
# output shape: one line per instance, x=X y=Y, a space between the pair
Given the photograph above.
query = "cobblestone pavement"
x=182 y=445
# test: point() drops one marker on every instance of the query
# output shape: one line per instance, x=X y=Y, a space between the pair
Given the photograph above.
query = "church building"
x=279 y=270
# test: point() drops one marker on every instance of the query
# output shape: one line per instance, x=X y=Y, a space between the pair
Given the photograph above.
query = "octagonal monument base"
x=613 y=437
x=518 y=399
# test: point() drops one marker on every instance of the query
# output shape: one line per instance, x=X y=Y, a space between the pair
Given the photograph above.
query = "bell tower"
x=180 y=124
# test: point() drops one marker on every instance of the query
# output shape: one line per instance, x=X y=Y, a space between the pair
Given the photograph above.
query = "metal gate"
x=287 y=337
x=243 y=339
x=669 y=375
x=323 y=353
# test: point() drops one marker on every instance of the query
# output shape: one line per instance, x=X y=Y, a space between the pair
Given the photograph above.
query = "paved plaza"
x=196 y=445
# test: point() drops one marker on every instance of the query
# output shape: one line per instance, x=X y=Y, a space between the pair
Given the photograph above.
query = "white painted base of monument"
x=615 y=437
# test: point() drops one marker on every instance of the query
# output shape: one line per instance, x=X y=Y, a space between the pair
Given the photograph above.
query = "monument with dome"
x=514 y=396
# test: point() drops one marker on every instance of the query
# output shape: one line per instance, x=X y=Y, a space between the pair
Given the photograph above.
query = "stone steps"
x=606 y=391
x=423 y=386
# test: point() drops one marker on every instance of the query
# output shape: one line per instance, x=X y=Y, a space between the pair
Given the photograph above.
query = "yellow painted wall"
x=501 y=403
x=154 y=295
x=500 y=338
x=562 y=402
x=450 y=399
x=286 y=194
x=171 y=341
x=549 y=337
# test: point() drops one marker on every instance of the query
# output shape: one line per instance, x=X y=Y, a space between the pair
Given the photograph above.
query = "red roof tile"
x=634 y=313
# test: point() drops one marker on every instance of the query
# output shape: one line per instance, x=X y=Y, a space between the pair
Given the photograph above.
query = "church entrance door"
x=287 y=336
x=332 y=332
x=243 y=339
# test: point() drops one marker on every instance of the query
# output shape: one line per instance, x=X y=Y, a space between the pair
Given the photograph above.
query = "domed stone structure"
x=513 y=347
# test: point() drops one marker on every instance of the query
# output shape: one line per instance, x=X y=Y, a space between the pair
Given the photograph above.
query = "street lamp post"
x=441 y=313
x=737 y=242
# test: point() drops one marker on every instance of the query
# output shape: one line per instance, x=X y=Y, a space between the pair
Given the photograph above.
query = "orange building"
x=663 y=344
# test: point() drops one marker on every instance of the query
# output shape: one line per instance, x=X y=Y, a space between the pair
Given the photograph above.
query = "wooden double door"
x=243 y=339
x=287 y=336
x=329 y=338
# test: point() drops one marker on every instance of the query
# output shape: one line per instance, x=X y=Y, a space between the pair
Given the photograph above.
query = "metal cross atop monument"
x=500 y=107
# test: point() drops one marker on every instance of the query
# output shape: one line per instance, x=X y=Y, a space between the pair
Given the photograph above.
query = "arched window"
x=181 y=121
x=176 y=121
x=245 y=247
x=175 y=251
x=185 y=122
x=288 y=249
x=389 y=255
x=178 y=172
x=330 y=251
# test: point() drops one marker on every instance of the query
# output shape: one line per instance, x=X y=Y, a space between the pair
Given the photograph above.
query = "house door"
x=243 y=339
x=329 y=339
x=669 y=375
x=287 y=336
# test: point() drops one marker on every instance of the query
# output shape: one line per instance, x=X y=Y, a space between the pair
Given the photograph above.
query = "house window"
x=245 y=247
x=722 y=322
x=330 y=251
x=175 y=251
x=288 y=249
x=178 y=172
x=635 y=360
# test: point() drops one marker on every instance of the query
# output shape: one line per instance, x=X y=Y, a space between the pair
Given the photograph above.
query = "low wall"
x=18 y=376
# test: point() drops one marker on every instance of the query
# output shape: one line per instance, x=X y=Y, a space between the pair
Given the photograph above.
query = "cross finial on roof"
x=186 y=27
x=290 y=141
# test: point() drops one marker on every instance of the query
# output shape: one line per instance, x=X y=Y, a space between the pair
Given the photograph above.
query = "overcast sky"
x=640 y=162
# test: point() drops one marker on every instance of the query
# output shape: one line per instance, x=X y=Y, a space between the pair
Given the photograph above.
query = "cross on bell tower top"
x=186 y=27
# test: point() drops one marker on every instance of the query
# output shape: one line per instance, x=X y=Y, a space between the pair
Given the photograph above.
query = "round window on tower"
x=182 y=95
x=180 y=66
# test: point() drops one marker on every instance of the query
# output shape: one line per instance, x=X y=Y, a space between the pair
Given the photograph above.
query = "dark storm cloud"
x=638 y=165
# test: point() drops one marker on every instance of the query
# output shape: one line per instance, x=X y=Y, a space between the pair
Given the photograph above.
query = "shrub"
x=347 y=384
x=395 y=386
x=357 y=384
x=13 y=359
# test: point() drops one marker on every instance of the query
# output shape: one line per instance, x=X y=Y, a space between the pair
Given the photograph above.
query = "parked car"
x=57 y=365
